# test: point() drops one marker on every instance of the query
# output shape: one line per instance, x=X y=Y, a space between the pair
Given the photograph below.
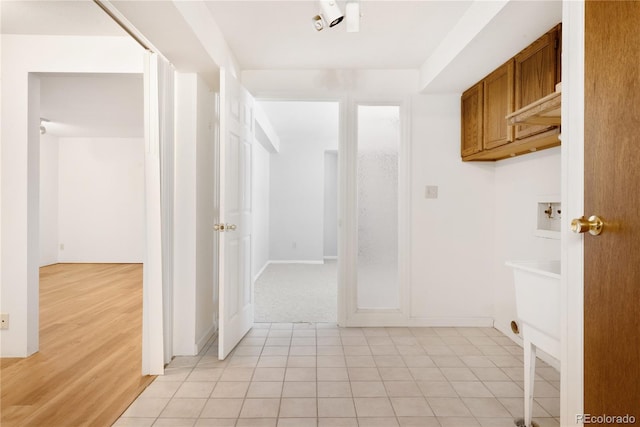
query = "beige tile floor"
x=303 y=374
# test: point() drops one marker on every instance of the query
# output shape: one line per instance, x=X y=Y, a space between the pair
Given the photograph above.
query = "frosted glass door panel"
x=377 y=180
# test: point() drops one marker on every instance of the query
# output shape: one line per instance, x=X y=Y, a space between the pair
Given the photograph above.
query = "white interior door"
x=234 y=224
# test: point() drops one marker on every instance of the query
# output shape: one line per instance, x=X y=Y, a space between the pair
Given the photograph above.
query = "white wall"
x=260 y=209
x=297 y=198
x=330 y=204
x=206 y=255
x=519 y=182
x=184 y=271
x=20 y=160
x=485 y=214
x=48 y=199
x=329 y=84
x=452 y=237
x=305 y=130
x=195 y=302
x=101 y=200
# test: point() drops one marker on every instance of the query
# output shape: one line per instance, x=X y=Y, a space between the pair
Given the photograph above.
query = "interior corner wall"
x=48 y=200
x=101 y=200
x=452 y=237
x=485 y=215
x=195 y=303
x=297 y=199
x=184 y=271
x=206 y=255
x=520 y=184
x=260 y=209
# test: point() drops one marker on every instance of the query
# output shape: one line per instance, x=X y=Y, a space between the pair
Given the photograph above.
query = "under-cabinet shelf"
x=545 y=111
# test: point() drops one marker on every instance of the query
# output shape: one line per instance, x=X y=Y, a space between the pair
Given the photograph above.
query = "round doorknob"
x=579 y=225
x=593 y=225
x=231 y=227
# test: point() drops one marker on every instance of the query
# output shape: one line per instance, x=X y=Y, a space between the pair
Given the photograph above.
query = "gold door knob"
x=218 y=227
x=231 y=227
x=593 y=225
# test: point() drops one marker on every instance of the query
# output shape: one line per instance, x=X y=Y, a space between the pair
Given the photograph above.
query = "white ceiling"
x=393 y=34
x=79 y=105
x=269 y=34
x=291 y=119
x=93 y=105
x=78 y=17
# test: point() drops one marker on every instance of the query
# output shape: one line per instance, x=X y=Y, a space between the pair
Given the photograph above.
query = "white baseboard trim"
x=202 y=342
x=295 y=261
x=390 y=319
x=289 y=261
x=456 y=322
x=264 y=267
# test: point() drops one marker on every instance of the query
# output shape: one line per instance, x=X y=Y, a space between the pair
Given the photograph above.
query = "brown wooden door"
x=498 y=102
x=612 y=191
x=471 y=132
x=535 y=75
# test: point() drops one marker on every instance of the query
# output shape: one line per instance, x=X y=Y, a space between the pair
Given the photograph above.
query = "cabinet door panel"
x=535 y=77
x=498 y=102
x=471 y=132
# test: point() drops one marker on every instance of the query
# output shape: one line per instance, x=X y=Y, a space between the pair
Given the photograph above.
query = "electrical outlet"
x=62 y=246
x=4 y=321
x=294 y=245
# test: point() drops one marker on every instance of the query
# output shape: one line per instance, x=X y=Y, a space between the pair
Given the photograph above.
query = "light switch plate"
x=431 y=192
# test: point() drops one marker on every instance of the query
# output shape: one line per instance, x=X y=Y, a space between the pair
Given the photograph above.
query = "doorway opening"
x=295 y=211
x=91 y=249
x=92 y=168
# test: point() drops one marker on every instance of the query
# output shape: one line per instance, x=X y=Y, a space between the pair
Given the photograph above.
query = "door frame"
x=348 y=166
x=341 y=305
x=572 y=254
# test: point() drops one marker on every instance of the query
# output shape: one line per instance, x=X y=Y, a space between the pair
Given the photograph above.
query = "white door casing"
x=572 y=279
x=235 y=284
x=157 y=295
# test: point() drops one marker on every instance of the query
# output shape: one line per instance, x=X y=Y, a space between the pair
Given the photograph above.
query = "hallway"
x=297 y=293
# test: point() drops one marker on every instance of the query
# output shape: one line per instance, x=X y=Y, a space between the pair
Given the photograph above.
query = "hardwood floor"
x=87 y=371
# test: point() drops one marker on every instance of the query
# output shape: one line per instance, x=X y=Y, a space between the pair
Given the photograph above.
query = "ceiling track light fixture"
x=352 y=15
x=331 y=15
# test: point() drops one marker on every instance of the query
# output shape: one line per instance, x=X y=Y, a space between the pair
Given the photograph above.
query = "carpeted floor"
x=297 y=293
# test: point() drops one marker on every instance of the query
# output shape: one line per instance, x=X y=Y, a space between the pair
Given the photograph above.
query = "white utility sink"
x=537 y=285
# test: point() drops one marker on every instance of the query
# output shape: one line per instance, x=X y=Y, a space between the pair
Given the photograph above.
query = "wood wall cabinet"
x=472 y=120
x=526 y=78
x=536 y=77
x=498 y=102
